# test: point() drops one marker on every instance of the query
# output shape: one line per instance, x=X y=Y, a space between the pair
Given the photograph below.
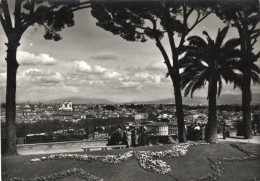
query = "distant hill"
x=223 y=99
x=75 y=100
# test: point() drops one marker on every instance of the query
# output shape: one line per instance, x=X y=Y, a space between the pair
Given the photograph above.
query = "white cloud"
x=3 y=75
x=131 y=84
x=40 y=76
x=2 y=66
x=142 y=76
x=99 y=69
x=26 y=58
x=146 y=77
x=112 y=75
x=81 y=66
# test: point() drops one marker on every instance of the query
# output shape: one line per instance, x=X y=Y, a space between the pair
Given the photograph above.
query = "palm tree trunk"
x=246 y=99
x=12 y=67
x=212 y=112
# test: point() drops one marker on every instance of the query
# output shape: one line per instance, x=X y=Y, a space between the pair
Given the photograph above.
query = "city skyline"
x=92 y=63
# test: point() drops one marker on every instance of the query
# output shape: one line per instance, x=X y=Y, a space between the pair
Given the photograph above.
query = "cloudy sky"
x=90 y=62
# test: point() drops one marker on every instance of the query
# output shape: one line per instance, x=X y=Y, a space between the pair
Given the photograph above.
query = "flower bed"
x=145 y=158
x=66 y=173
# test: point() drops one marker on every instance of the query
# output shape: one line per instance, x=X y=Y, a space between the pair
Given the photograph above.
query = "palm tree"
x=210 y=62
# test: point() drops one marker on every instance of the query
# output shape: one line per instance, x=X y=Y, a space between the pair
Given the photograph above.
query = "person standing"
x=255 y=129
x=143 y=136
x=119 y=135
x=197 y=132
x=203 y=132
x=224 y=130
x=129 y=138
x=135 y=137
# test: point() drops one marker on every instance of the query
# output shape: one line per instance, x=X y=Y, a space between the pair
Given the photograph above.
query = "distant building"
x=141 y=116
x=63 y=116
x=162 y=128
x=27 y=108
x=66 y=106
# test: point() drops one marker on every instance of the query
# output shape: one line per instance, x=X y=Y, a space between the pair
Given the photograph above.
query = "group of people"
x=130 y=137
x=196 y=131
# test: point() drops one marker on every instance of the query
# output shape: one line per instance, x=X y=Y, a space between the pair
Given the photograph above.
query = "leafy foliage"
x=53 y=15
x=207 y=59
x=141 y=20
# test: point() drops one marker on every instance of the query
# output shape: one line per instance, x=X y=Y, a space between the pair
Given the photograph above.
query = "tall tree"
x=139 y=21
x=244 y=15
x=53 y=15
x=209 y=61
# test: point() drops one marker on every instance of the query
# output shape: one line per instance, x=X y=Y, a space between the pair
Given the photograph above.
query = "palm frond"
x=197 y=85
x=197 y=41
x=255 y=68
x=256 y=56
x=210 y=41
x=188 y=88
x=221 y=35
x=193 y=51
x=255 y=78
x=232 y=43
x=195 y=82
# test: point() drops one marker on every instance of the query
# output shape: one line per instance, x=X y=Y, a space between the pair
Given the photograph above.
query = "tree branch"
x=161 y=48
x=83 y=3
x=190 y=11
x=198 y=20
x=32 y=7
x=185 y=19
x=17 y=13
x=165 y=56
x=254 y=41
x=3 y=23
x=7 y=14
x=253 y=27
x=49 y=29
x=83 y=7
x=143 y=28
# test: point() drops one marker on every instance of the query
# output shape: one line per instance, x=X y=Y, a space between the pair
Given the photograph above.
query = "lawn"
x=194 y=164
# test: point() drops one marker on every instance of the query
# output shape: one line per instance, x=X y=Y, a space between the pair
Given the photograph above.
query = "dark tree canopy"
x=141 y=20
x=54 y=15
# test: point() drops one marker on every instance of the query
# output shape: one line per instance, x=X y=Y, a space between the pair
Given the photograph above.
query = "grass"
x=195 y=164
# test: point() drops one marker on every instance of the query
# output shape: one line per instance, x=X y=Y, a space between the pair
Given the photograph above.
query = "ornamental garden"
x=154 y=163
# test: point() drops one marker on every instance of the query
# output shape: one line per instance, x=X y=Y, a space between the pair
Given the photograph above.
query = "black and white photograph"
x=130 y=90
